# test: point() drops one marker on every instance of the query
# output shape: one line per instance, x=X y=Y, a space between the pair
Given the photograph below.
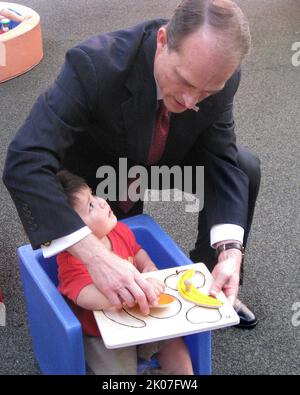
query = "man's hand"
x=226 y=274
x=115 y=277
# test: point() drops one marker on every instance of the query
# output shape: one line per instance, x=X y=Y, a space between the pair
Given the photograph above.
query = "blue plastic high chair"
x=57 y=334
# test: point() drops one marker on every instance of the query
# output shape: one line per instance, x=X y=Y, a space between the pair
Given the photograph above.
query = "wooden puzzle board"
x=129 y=327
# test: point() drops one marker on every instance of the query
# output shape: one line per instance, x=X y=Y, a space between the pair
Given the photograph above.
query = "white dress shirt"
x=218 y=233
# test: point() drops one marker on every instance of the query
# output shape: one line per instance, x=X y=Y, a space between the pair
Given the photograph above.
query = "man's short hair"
x=222 y=17
x=71 y=184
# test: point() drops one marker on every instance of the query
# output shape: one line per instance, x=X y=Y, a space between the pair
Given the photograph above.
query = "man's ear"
x=162 y=40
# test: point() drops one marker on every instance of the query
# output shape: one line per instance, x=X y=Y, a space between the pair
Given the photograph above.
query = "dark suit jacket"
x=102 y=107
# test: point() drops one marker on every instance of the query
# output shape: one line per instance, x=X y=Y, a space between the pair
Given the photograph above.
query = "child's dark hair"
x=71 y=184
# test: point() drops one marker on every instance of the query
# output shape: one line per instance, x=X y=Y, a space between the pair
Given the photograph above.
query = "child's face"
x=95 y=212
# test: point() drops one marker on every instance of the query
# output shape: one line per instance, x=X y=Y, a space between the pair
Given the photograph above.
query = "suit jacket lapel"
x=139 y=110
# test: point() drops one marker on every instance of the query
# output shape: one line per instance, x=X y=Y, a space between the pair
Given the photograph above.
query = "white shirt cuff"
x=62 y=243
x=224 y=232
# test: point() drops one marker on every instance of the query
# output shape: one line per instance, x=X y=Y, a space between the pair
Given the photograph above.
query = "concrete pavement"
x=267 y=122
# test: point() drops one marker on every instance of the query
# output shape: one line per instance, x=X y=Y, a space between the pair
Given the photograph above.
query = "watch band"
x=228 y=246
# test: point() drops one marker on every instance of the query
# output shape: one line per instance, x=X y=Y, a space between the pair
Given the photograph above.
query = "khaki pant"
x=122 y=361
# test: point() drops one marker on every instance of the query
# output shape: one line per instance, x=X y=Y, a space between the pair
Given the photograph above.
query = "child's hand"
x=157 y=285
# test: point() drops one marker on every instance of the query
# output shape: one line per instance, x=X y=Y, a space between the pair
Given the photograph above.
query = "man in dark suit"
x=102 y=107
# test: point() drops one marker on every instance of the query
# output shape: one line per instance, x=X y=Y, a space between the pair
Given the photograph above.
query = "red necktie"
x=157 y=148
x=160 y=134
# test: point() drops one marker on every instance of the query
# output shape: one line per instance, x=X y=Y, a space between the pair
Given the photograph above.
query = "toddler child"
x=77 y=286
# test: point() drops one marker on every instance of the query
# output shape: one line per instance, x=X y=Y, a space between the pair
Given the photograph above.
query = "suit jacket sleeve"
x=35 y=154
x=226 y=185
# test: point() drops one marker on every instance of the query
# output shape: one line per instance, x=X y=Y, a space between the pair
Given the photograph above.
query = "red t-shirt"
x=73 y=275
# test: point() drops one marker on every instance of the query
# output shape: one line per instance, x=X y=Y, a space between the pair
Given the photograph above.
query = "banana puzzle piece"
x=189 y=292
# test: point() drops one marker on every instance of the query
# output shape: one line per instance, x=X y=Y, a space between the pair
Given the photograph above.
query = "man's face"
x=95 y=212
x=194 y=72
